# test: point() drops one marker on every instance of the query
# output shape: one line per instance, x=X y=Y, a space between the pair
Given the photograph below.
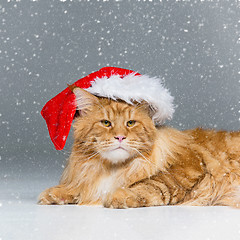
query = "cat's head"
x=114 y=130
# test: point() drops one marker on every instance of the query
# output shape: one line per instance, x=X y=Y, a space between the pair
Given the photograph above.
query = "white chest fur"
x=106 y=185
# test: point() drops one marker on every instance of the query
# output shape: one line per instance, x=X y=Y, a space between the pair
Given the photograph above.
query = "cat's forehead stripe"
x=119 y=109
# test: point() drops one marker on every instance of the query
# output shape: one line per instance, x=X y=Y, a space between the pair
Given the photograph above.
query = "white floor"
x=21 y=218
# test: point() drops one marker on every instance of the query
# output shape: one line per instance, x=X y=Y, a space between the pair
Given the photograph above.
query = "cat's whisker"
x=93 y=155
x=138 y=144
x=84 y=152
x=106 y=143
x=147 y=160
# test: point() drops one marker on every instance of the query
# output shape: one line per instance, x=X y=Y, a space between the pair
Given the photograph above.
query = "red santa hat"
x=110 y=82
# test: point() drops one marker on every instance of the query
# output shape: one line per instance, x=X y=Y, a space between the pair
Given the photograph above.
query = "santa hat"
x=110 y=82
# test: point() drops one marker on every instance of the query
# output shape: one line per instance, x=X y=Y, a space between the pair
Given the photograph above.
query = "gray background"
x=192 y=45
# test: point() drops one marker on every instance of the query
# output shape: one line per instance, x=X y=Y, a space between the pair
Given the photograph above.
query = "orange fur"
x=158 y=166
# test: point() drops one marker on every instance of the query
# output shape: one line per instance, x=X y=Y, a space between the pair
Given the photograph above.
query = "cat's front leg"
x=145 y=193
x=57 y=195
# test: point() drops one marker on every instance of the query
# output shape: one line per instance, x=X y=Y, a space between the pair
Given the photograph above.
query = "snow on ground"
x=21 y=218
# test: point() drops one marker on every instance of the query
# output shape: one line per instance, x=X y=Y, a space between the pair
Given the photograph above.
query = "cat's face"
x=116 y=131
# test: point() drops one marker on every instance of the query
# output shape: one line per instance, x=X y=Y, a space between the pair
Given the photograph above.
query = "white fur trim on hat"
x=132 y=88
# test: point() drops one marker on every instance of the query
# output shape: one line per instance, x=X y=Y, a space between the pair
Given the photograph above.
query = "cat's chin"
x=116 y=156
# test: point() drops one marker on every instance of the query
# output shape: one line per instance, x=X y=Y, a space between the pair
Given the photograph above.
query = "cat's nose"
x=120 y=138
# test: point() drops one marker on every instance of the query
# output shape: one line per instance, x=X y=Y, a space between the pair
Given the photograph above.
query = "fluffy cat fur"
x=150 y=166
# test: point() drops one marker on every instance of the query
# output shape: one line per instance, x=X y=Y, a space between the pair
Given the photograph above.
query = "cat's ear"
x=85 y=100
x=147 y=108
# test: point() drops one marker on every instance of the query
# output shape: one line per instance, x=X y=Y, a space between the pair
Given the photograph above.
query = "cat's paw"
x=55 y=195
x=122 y=198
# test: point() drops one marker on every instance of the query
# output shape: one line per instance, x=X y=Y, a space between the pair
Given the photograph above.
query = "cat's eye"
x=131 y=123
x=106 y=123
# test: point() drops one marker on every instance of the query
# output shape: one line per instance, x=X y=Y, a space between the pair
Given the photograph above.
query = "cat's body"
x=120 y=159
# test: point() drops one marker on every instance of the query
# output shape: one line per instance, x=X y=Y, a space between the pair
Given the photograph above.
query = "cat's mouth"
x=120 y=147
x=116 y=155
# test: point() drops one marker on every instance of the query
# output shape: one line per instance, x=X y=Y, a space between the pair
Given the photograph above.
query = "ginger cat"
x=120 y=159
